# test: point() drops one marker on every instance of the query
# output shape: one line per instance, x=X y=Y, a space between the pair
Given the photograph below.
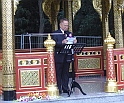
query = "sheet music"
x=70 y=40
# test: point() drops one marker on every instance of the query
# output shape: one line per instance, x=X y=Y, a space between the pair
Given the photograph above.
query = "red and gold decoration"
x=51 y=74
x=89 y=62
x=30 y=73
x=119 y=67
x=111 y=84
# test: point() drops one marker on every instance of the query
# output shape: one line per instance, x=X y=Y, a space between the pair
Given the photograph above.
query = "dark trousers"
x=62 y=75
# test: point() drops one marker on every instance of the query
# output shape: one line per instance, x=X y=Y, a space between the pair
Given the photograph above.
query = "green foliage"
x=27 y=17
x=87 y=20
x=47 y=25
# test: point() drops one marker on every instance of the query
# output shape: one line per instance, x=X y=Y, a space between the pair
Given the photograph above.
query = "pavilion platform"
x=93 y=87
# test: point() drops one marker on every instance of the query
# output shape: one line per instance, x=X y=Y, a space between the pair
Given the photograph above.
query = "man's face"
x=64 y=25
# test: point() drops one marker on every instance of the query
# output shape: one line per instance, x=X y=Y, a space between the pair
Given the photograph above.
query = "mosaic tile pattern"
x=29 y=78
x=89 y=63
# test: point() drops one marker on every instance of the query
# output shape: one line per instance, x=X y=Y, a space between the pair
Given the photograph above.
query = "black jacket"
x=58 y=38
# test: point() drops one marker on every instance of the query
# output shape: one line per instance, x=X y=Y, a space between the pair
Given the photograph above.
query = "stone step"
x=93 y=87
x=91 y=98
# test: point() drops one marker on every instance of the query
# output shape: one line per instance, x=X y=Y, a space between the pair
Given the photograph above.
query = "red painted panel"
x=23 y=90
x=85 y=55
x=119 y=62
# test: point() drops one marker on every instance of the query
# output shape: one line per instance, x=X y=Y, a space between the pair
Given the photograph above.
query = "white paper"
x=70 y=40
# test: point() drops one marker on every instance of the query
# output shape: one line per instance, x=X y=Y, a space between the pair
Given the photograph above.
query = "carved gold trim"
x=110 y=41
x=51 y=8
x=16 y=2
x=89 y=53
x=76 y=5
x=120 y=4
x=27 y=62
x=97 y=4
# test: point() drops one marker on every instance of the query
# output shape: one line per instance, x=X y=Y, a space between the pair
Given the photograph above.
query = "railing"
x=91 y=41
x=26 y=41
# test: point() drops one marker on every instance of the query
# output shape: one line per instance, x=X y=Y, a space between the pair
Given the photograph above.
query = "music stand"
x=76 y=50
x=72 y=49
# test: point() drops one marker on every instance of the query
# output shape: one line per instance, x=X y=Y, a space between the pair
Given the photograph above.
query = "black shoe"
x=60 y=92
x=67 y=91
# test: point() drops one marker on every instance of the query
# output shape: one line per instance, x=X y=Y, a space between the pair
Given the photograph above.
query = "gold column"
x=106 y=6
x=70 y=14
x=111 y=84
x=118 y=8
x=67 y=4
x=51 y=74
x=8 y=51
x=103 y=7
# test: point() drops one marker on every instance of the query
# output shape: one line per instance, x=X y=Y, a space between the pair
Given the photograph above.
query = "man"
x=61 y=63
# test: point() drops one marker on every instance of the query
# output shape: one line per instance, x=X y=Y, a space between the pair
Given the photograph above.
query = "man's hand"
x=75 y=41
x=64 y=41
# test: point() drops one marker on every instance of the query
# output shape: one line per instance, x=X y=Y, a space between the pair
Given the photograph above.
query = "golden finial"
x=49 y=43
x=109 y=40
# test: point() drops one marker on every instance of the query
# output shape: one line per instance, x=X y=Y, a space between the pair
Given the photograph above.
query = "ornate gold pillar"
x=103 y=7
x=106 y=6
x=111 y=84
x=118 y=9
x=70 y=16
x=51 y=74
x=51 y=8
x=8 y=51
x=70 y=9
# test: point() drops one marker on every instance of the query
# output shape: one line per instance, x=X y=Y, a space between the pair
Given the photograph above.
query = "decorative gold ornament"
x=16 y=2
x=49 y=43
x=109 y=40
x=51 y=75
x=51 y=8
x=120 y=4
x=47 y=8
x=111 y=86
x=76 y=5
x=97 y=4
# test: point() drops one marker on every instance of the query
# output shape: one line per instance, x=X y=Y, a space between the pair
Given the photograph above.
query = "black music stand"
x=72 y=49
